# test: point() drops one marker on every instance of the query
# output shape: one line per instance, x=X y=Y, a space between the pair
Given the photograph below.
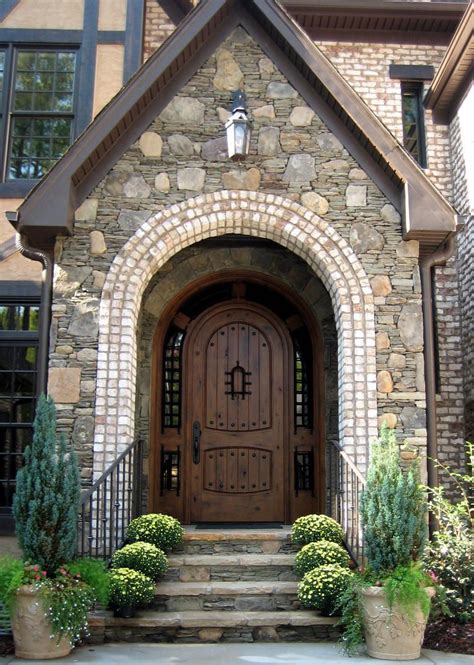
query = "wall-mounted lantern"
x=238 y=128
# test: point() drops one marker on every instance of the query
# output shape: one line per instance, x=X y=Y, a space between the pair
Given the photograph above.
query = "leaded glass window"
x=303 y=396
x=172 y=379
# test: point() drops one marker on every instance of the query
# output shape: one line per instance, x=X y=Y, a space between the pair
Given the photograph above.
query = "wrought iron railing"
x=344 y=485
x=110 y=504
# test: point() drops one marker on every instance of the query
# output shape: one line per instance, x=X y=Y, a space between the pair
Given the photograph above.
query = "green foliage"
x=11 y=576
x=46 y=502
x=93 y=573
x=317 y=554
x=450 y=555
x=321 y=588
x=130 y=588
x=144 y=557
x=405 y=586
x=67 y=600
x=393 y=508
x=311 y=528
x=163 y=531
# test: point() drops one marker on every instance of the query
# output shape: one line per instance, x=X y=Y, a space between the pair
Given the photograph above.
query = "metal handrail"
x=344 y=487
x=107 y=508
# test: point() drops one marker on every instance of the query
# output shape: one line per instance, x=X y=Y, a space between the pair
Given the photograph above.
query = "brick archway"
x=246 y=213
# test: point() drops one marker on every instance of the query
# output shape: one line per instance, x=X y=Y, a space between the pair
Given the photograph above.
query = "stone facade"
x=463 y=173
x=301 y=189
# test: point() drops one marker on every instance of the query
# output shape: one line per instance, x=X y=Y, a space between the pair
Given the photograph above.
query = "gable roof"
x=48 y=210
x=455 y=74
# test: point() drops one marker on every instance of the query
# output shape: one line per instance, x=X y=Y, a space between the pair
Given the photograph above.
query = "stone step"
x=259 y=541
x=226 y=596
x=212 y=626
x=230 y=567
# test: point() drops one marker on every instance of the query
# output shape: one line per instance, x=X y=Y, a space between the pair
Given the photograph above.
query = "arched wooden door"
x=237 y=360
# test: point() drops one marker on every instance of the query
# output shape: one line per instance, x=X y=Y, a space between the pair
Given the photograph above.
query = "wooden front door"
x=236 y=420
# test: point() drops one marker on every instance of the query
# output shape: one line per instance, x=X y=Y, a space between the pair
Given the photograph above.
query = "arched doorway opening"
x=237 y=427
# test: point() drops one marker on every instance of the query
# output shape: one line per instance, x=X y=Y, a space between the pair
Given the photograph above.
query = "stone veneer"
x=300 y=188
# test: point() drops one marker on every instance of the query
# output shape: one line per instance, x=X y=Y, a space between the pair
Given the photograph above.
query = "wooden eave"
x=377 y=21
x=48 y=211
x=455 y=74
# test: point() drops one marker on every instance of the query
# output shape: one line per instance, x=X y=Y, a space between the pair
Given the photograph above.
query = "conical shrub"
x=46 y=501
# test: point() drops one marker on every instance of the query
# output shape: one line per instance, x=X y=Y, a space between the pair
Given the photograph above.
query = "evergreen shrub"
x=393 y=508
x=317 y=554
x=144 y=557
x=322 y=587
x=46 y=501
x=160 y=530
x=312 y=528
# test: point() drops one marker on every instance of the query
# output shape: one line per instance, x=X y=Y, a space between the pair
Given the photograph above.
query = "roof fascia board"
x=60 y=176
x=451 y=60
x=444 y=215
x=369 y=7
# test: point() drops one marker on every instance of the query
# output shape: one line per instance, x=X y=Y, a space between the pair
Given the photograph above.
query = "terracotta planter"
x=32 y=629
x=388 y=633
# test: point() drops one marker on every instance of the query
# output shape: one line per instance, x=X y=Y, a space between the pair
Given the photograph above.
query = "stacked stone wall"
x=366 y=67
x=293 y=155
x=465 y=260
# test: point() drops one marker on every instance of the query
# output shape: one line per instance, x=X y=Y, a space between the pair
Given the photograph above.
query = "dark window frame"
x=21 y=186
x=414 y=144
x=14 y=339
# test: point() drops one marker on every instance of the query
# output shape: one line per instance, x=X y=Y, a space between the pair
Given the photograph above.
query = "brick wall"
x=158 y=27
x=366 y=68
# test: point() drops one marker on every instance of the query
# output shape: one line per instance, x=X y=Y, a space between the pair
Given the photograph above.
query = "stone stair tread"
x=231 y=560
x=211 y=619
x=237 y=535
x=237 y=588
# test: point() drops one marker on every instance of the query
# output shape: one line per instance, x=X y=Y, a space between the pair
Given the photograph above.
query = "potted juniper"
x=48 y=594
x=387 y=603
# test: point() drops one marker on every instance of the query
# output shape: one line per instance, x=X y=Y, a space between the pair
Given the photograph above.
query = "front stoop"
x=228 y=586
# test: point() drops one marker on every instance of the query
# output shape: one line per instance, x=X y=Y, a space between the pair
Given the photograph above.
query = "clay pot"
x=389 y=634
x=32 y=629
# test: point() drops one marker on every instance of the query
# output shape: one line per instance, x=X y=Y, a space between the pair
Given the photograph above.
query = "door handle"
x=196 y=441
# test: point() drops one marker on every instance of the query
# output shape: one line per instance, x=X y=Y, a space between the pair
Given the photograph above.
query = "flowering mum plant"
x=144 y=557
x=322 y=587
x=311 y=528
x=317 y=554
x=130 y=588
x=160 y=530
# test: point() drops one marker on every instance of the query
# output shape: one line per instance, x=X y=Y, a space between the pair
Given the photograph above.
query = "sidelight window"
x=172 y=379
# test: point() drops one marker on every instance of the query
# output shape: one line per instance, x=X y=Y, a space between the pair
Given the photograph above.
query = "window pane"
x=13 y=442
x=40 y=80
x=19 y=317
x=2 y=69
x=33 y=151
x=6 y=383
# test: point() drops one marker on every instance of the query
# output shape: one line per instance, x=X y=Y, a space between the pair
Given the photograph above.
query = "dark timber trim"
x=49 y=209
x=411 y=72
x=133 y=38
x=35 y=37
x=6 y=7
x=87 y=64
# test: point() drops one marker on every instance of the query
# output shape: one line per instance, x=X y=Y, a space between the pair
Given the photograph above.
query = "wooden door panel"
x=237 y=355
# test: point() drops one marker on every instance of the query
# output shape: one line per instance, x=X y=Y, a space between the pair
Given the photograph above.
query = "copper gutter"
x=46 y=258
x=427 y=263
